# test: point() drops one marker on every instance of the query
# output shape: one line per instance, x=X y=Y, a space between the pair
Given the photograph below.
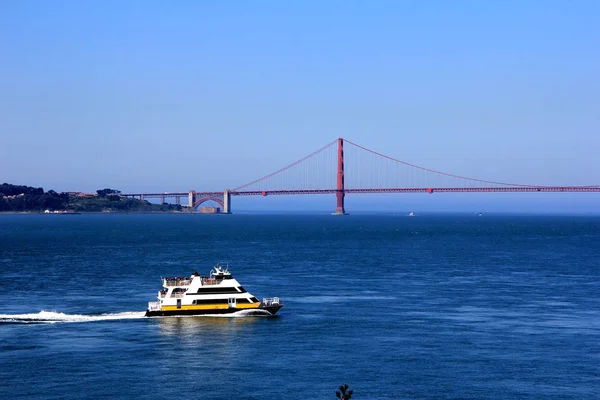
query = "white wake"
x=51 y=317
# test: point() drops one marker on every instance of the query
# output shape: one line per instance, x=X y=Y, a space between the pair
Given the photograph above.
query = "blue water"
x=429 y=307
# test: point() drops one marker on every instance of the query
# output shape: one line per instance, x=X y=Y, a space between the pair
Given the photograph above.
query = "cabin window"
x=216 y=290
x=211 y=301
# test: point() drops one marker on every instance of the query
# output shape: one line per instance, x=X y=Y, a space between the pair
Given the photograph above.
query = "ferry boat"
x=218 y=293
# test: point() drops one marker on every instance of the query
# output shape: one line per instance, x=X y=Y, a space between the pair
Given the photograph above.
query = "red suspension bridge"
x=339 y=170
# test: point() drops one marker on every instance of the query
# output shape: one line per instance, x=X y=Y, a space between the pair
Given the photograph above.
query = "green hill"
x=17 y=198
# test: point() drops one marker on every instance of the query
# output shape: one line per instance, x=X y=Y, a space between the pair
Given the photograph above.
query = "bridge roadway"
x=388 y=190
x=197 y=198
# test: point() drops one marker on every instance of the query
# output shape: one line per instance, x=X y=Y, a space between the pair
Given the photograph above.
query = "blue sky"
x=206 y=95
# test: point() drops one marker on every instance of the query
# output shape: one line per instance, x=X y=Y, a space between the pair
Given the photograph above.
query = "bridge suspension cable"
x=315 y=171
x=364 y=169
x=434 y=171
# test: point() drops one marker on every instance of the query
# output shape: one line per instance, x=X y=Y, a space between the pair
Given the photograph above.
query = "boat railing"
x=271 y=301
x=177 y=282
x=210 y=281
x=153 y=306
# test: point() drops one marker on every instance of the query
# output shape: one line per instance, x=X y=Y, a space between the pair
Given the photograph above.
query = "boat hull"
x=225 y=311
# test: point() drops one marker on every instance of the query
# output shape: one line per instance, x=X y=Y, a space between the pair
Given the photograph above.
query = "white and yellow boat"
x=216 y=294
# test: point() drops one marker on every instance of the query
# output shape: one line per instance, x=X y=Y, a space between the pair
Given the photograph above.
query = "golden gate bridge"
x=342 y=167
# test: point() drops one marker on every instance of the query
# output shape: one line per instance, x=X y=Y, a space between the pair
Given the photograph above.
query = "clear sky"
x=208 y=95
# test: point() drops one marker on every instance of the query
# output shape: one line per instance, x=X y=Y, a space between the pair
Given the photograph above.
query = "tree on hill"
x=6 y=189
x=105 y=192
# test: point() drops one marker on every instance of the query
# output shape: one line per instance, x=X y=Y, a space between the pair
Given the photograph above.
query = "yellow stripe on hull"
x=209 y=307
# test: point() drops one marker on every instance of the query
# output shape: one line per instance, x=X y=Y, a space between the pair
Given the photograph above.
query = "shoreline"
x=94 y=212
x=391 y=214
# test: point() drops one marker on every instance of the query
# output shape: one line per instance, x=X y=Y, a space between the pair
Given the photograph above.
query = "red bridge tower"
x=339 y=192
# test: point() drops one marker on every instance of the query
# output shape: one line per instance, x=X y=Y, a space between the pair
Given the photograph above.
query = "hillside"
x=18 y=198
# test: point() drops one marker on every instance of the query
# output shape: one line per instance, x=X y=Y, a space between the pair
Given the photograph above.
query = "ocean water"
x=397 y=307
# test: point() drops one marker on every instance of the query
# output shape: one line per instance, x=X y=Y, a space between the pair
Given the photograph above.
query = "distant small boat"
x=480 y=214
x=411 y=214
